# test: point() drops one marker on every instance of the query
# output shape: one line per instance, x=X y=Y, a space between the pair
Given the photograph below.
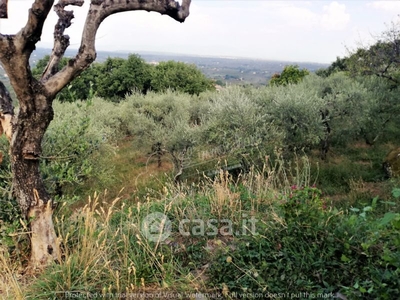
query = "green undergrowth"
x=262 y=234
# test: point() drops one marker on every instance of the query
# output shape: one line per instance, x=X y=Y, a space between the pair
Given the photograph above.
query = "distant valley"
x=222 y=69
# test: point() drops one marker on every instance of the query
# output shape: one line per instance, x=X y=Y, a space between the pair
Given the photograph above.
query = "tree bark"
x=28 y=186
x=3 y=9
x=325 y=141
x=28 y=129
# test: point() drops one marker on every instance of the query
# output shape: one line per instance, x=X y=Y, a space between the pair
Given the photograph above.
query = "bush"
x=290 y=75
x=315 y=250
x=180 y=77
x=120 y=77
x=237 y=124
x=296 y=110
x=70 y=146
x=392 y=163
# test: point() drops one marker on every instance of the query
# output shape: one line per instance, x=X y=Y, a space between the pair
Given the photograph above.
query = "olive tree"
x=35 y=98
x=168 y=127
x=290 y=75
x=382 y=59
x=295 y=109
x=180 y=77
x=345 y=107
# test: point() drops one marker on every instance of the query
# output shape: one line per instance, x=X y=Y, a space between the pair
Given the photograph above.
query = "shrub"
x=315 y=250
x=180 y=77
x=290 y=75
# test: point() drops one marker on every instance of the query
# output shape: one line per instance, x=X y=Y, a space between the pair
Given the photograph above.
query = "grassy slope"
x=182 y=263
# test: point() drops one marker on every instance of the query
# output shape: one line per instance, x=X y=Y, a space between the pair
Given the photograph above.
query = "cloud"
x=306 y=15
x=388 y=6
x=335 y=17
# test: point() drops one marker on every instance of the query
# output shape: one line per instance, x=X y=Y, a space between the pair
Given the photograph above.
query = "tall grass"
x=10 y=280
x=106 y=251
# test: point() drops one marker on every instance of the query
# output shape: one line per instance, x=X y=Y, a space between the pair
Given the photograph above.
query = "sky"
x=302 y=31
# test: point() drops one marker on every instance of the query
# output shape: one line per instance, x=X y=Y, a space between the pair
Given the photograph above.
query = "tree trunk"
x=325 y=142
x=28 y=131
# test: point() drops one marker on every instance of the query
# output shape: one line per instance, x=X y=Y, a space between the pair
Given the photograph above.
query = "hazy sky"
x=316 y=31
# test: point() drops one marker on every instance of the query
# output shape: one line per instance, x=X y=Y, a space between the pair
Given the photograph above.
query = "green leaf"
x=365 y=246
x=396 y=192
x=387 y=218
x=344 y=258
x=367 y=208
x=375 y=201
x=387 y=257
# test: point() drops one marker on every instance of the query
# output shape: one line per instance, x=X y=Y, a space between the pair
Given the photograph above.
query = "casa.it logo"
x=156 y=227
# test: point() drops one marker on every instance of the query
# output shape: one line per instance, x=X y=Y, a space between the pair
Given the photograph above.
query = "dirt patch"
x=361 y=145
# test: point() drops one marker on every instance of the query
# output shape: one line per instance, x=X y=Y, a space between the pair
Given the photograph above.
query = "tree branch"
x=165 y=7
x=61 y=41
x=27 y=37
x=3 y=9
x=98 y=11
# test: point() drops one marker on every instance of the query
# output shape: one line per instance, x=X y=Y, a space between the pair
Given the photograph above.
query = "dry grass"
x=10 y=278
x=104 y=249
x=223 y=200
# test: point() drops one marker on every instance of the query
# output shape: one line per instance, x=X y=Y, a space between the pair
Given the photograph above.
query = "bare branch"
x=61 y=41
x=98 y=11
x=28 y=36
x=165 y=7
x=3 y=9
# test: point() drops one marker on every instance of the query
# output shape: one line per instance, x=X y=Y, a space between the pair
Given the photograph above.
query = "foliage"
x=295 y=109
x=83 y=87
x=339 y=65
x=291 y=74
x=303 y=204
x=167 y=126
x=383 y=109
x=67 y=151
x=392 y=163
x=380 y=59
x=70 y=149
x=315 y=250
x=347 y=106
x=179 y=77
x=119 y=77
x=236 y=123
